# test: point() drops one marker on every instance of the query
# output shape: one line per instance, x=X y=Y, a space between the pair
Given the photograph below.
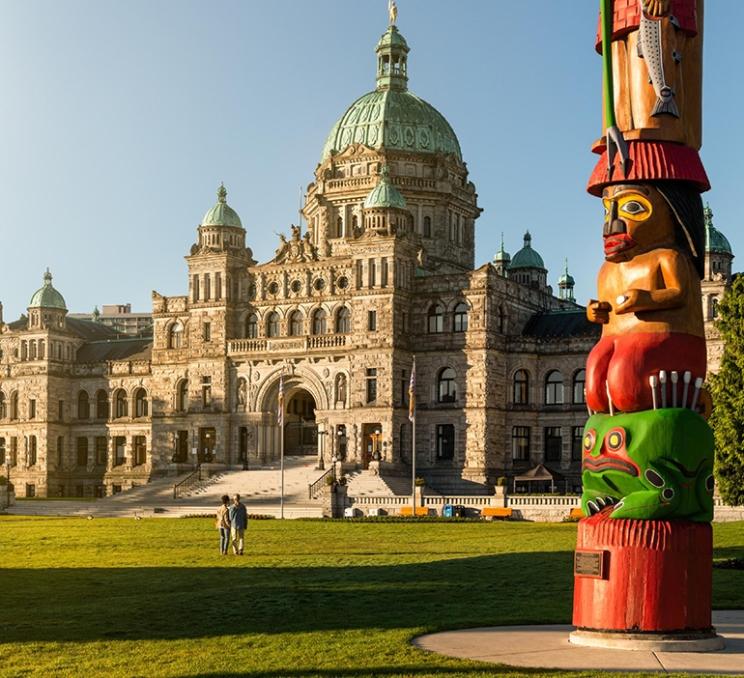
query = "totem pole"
x=643 y=563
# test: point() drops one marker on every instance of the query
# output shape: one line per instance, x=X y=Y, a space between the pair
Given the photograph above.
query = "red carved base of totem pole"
x=643 y=576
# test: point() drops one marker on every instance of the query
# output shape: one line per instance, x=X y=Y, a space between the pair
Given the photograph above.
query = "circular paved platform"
x=547 y=647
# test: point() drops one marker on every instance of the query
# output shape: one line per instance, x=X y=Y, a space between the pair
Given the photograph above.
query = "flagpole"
x=412 y=417
x=281 y=465
x=280 y=419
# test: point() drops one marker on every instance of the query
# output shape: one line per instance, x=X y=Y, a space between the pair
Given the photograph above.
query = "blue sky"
x=119 y=120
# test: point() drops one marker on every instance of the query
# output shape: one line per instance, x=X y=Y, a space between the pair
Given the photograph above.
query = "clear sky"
x=118 y=120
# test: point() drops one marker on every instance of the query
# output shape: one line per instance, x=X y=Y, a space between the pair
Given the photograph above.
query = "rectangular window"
x=372 y=272
x=101 y=450
x=2 y=451
x=61 y=410
x=140 y=450
x=384 y=273
x=32 y=409
x=577 y=444
x=195 y=285
x=206 y=391
x=207 y=287
x=13 y=451
x=371 y=384
x=60 y=451
x=32 y=450
x=372 y=321
x=359 y=274
x=553 y=443
x=404 y=383
x=445 y=441
x=30 y=490
x=120 y=444
x=521 y=443
x=218 y=286
x=207 y=330
x=82 y=451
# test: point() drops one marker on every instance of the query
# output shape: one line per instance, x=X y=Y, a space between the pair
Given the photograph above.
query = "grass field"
x=121 y=597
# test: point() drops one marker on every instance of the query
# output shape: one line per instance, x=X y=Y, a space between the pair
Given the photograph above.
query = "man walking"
x=238 y=523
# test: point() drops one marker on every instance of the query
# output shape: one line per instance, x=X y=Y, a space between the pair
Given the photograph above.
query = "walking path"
x=547 y=647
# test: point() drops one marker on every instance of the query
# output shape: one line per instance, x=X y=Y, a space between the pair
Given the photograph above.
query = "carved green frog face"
x=652 y=464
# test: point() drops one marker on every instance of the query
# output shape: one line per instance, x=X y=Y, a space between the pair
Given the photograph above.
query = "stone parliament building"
x=383 y=271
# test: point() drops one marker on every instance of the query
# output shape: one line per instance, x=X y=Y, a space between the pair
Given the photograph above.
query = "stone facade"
x=383 y=272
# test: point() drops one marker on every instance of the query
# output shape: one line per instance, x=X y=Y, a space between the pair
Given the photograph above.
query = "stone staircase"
x=260 y=490
x=369 y=484
x=444 y=482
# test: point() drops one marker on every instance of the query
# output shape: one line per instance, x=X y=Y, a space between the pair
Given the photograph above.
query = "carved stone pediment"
x=295 y=250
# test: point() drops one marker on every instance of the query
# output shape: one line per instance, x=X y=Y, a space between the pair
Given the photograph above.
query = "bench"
x=420 y=511
x=494 y=512
x=576 y=514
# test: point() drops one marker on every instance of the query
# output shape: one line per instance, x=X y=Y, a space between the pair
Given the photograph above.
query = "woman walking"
x=223 y=524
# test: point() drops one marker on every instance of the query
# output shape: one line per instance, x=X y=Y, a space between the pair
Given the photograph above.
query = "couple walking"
x=232 y=519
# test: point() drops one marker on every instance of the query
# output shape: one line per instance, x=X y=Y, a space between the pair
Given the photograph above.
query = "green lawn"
x=154 y=597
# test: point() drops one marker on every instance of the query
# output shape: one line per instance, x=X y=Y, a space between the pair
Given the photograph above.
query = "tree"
x=727 y=389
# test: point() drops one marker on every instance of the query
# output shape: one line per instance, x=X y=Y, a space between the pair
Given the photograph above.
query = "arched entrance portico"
x=304 y=395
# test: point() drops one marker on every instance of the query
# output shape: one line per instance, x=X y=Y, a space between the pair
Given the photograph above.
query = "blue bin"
x=448 y=511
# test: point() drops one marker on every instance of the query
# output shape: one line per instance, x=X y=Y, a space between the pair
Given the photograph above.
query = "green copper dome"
x=715 y=241
x=222 y=214
x=47 y=296
x=391 y=117
x=385 y=194
x=527 y=257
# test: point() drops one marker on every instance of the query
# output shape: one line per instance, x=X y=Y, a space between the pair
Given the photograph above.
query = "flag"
x=412 y=392
x=280 y=402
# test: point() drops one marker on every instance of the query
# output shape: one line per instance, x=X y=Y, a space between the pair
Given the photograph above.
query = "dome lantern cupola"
x=566 y=285
x=220 y=228
x=502 y=259
x=392 y=60
x=718 y=251
x=385 y=208
x=47 y=307
x=527 y=266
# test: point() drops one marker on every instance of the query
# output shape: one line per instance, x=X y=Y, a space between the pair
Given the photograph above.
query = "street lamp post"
x=321 y=463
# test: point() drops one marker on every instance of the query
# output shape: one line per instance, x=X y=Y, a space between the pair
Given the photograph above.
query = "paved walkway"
x=547 y=647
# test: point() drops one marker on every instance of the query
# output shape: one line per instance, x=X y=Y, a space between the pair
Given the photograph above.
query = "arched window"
x=175 y=335
x=521 y=390
x=272 y=324
x=435 y=319
x=295 y=324
x=554 y=388
x=182 y=396
x=501 y=319
x=446 y=389
x=319 y=321
x=427 y=227
x=102 y=405
x=343 y=320
x=460 y=318
x=140 y=403
x=251 y=326
x=579 y=384
x=120 y=404
x=83 y=405
x=3 y=406
x=714 y=308
x=14 y=405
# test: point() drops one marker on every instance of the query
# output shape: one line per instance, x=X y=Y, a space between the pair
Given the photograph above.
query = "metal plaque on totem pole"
x=590 y=563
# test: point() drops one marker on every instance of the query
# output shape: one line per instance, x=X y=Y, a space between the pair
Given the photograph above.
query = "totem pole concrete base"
x=644 y=585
